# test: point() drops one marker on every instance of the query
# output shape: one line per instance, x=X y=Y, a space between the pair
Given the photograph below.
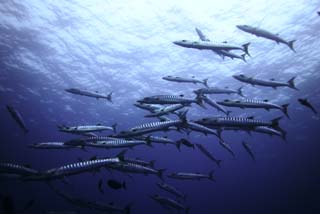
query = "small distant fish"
x=306 y=103
x=87 y=128
x=96 y=94
x=171 y=189
x=29 y=204
x=226 y=147
x=248 y=149
x=184 y=142
x=116 y=184
x=318 y=13
x=217 y=90
x=18 y=118
x=100 y=186
x=7 y=205
x=208 y=154
x=170 y=203
x=186 y=80
x=191 y=176
x=215 y=104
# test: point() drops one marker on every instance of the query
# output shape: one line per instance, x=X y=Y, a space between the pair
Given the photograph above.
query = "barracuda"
x=217 y=90
x=166 y=110
x=169 y=203
x=18 y=118
x=208 y=154
x=250 y=103
x=117 y=143
x=191 y=176
x=171 y=189
x=220 y=122
x=7 y=169
x=186 y=80
x=148 y=107
x=84 y=129
x=96 y=94
x=207 y=45
x=136 y=168
x=53 y=145
x=171 y=99
x=267 y=83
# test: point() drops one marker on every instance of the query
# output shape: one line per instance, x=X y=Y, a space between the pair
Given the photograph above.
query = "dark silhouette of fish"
x=116 y=184
x=7 y=205
x=306 y=103
x=17 y=117
x=248 y=149
x=100 y=186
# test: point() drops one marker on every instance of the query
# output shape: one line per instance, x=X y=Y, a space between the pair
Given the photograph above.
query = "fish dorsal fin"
x=225 y=42
x=237 y=101
x=98 y=124
x=181 y=95
x=193 y=76
x=27 y=166
x=111 y=203
x=250 y=117
x=226 y=87
x=97 y=91
x=165 y=137
x=93 y=158
x=272 y=79
x=226 y=100
x=265 y=100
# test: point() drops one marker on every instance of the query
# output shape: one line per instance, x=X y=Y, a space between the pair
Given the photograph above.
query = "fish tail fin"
x=199 y=101
x=245 y=48
x=124 y=185
x=240 y=91
x=291 y=83
x=219 y=163
x=160 y=173
x=127 y=209
x=285 y=109
x=205 y=82
x=183 y=116
x=121 y=155
x=109 y=97
x=151 y=163
x=275 y=122
x=211 y=176
x=114 y=127
x=243 y=57
x=178 y=145
x=148 y=142
x=290 y=44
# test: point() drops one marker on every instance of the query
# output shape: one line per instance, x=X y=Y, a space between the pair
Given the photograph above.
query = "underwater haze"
x=126 y=47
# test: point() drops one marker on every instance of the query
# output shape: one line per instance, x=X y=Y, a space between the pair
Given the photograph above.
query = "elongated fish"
x=200 y=128
x=85 y=129
x=207 y=45
x=171 y=99
x=156 y=139
x=16 y=170
x=270 y=131
x=117 y=143
x=169 y=203
x=214 y=104
x=208 y=154
x=166 y=110
x=247 y=147
x=99 y=206
x=96 y=94
x=18 y=118
x=251 y=103
x=226 y=147
x=217 y=122
x=74 y=168
x=186 y=80
x=191 y=176
x=267 y=83
x=171 y=189
x=266 y=34
x=149 y=107
x=217 y=90
x=306 y=103
x=129 y=167
x=53 y=145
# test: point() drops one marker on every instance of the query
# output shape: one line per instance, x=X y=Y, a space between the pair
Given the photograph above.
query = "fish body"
x=16 y=169
x=166 y=110
x=52 y=145
x=247 y=147
x=85 y=129
x=266 y=34
x=214 y=104
x=148 y=107
x=171 y=99
x=86 y=93
x=114 y=184
x=171 y=189
x=18 y=118
x=250 y=103
x=267 y=83
x=170 y=203
x=217 y=90
x=186 y=80
x=226 y=147
x=208 y=154
x=207 y=45
x=117 y=143
x=306 y=103
x=191 y=176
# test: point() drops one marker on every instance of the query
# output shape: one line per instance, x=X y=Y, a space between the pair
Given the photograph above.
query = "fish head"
x=244 y=27
x=239 y=77
x=183 y=43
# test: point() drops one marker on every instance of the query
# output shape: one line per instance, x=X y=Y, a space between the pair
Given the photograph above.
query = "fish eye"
x=184 y=40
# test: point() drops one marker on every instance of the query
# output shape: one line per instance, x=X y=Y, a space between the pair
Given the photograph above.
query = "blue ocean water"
x=126 y=47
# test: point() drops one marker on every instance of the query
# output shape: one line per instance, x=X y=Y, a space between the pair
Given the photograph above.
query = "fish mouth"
x=176 y=42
